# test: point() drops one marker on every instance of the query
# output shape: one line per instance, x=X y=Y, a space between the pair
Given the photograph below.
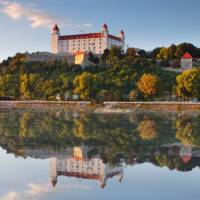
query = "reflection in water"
x=79 y=165
x=99 y=146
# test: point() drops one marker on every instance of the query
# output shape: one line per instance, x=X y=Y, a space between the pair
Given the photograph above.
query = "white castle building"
x=80 y=166
x=90 y=42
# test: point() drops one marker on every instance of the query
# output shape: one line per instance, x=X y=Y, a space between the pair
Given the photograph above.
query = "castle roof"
x=105 y=26
x=187 y=56
x=122 y=32
x=53 y=182
x=87 y=36
x=78 y=53
x=55 y=28
x=80 y=175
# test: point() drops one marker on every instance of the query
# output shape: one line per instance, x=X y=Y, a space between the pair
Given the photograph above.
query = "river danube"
x=71 y=155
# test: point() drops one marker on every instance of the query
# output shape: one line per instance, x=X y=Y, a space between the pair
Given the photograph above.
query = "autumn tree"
x=147 y=129
x=148 y=84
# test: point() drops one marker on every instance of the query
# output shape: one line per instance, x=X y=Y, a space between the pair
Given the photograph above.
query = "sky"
x=26 y=24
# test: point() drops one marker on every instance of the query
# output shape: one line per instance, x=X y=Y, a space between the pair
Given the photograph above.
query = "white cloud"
x=13 y=10
x=35 y=17
x=35 y=191
x=11 y=196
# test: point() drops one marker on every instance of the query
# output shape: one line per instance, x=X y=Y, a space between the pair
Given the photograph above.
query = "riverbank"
x=106 y=107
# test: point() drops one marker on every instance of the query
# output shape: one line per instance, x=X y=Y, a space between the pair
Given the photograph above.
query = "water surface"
x=65 y=155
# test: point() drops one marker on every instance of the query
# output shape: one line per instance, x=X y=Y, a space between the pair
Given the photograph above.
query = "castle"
x=90 y=42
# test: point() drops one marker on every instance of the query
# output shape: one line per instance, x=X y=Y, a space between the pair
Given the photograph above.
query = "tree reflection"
x=147 y=129
x=136 y=138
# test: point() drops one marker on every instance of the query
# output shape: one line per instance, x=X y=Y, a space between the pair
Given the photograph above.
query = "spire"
x=105 y=26
x=55 y=28
x=104 y=29
x=54 y=182
x=121 y=34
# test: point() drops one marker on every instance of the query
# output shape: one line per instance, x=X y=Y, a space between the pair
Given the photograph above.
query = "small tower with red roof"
x=187 y=61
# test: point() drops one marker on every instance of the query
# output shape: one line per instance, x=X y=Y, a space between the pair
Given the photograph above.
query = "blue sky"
x=25 y=25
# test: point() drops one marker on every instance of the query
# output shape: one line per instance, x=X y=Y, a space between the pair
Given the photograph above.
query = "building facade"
x=186 y=61
x=90 y=42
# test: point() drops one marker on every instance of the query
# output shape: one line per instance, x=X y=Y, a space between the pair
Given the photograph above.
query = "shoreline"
x=106 y=107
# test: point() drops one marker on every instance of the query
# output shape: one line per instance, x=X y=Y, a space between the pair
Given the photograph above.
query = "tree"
x=147 y=129
x=105 y=54
x=87 y=86
x=148 y=84
x=188 y=84
x=24 y=86
x=142 y=53
x=153 y=54
x=131 y=52
x=115 y=54
x=93 y=58
x=163 y=54
x=133 y=95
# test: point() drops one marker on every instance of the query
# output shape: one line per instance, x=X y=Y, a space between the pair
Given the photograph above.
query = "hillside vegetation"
x=116 y=76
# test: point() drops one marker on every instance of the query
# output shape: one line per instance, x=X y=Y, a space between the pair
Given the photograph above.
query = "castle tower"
x=55 y=39
x=122 y=37
x=105 y=36
x=104 y=30
x=53 y=171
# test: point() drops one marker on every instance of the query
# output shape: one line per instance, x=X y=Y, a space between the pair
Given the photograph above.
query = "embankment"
x=106 y=107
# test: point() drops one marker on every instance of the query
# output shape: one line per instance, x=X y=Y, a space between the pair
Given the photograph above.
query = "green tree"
x=87 y=86
x=133 y=95
x=188 y=84
x=24 y=86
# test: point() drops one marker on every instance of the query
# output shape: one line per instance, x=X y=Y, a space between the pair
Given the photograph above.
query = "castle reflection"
x=99 y=146
x=78 y=162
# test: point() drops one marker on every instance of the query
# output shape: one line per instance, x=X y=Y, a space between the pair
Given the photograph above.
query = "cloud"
x=11 y=196
x=35 y=191
x=35 y=17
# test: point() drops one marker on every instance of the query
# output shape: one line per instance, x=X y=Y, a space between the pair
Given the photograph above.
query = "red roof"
x=80 y=175
x=55 y=28
x=122 y=32
x=186 y=158
x=187 y=56
x=87 y=36
x=54 y=183
x=105 y=26
x=80 y=36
